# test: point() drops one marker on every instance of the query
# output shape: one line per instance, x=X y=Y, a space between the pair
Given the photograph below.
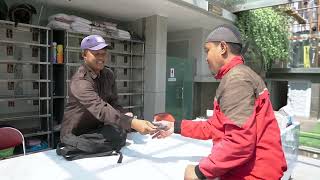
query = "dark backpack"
x=106 y=141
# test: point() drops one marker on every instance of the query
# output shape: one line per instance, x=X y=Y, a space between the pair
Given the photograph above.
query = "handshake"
x=161 y=127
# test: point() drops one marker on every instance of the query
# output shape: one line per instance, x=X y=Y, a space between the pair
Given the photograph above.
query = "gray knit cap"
x=226 y=32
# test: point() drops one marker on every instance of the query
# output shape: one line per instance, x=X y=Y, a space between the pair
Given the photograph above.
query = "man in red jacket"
x=247 y=141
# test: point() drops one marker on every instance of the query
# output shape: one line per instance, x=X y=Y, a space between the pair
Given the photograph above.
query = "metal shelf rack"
x=25 y=79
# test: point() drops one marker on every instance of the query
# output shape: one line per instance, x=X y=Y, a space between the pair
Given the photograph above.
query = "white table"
x=143 y=158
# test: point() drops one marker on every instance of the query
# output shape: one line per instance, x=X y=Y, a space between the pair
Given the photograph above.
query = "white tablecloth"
x=144 y=158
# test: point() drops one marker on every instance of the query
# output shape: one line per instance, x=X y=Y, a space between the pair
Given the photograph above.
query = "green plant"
x=267 y=30
x=311 y=138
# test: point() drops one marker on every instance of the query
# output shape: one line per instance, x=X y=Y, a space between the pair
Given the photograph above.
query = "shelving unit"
x=25 y=79
x=126 y=60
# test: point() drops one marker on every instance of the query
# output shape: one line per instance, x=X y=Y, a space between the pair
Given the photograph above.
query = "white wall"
x=299 y=97
x=196 y=38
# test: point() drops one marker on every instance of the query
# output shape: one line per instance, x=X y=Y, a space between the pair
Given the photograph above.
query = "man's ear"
x=223 y=47
x=84 y=54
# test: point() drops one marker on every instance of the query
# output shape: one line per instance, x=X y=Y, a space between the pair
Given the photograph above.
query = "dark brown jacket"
x=93 y=102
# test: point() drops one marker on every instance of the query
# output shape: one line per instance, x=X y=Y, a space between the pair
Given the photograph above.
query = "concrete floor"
x=306 y=169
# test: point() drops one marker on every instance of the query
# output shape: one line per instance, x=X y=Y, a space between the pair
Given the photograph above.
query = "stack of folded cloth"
x=98 y=31
x=107 y=27
x=81 y=25
x=112 y=30
x=69 y=22
x=60 y=21
x=122 y=34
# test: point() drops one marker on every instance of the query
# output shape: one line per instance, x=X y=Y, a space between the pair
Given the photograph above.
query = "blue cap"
x=93 y=42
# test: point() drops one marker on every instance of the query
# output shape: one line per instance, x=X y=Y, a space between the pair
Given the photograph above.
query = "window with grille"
x=113 y=58
x=9 y=50
x=35 y=85
x=10 y=68
x=35 y=68
x=10 y=86
x=35 y=35
x=11 y=104
x=9 y=33
x=35 y=52
x=35 y=102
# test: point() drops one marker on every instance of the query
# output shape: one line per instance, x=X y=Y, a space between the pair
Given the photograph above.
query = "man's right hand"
x=143 y=126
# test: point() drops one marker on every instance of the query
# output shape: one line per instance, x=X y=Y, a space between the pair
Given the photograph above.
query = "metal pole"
x=47 y=90
x=142 y=74
x=67 y=66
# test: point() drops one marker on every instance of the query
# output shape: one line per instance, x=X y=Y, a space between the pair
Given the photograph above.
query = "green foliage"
x=267 y=31
x=311 y=138
x=310 y=142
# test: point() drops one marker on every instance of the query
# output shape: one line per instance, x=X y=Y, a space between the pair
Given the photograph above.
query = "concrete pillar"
x=155 y=65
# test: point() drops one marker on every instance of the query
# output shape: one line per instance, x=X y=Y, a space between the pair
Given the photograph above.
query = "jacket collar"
x=92 y=74
x=225 y=68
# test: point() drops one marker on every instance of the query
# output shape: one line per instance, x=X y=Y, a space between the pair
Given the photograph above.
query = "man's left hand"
x=189 y=173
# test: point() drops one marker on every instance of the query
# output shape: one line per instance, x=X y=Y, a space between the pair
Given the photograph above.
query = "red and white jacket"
x=246 y=136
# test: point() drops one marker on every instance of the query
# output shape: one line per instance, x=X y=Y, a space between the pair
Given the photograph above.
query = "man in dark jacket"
x=247 y=142
x=93 y=99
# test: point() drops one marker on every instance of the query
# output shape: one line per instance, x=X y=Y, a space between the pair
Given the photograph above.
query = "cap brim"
x=98 y=47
